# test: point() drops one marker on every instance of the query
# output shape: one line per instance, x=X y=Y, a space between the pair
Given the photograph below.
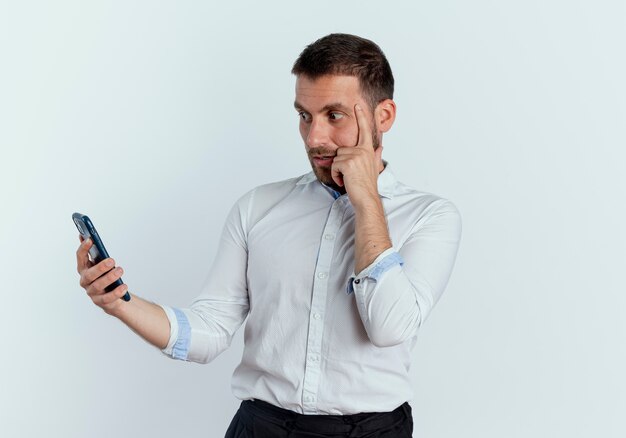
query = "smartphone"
x=97 y=252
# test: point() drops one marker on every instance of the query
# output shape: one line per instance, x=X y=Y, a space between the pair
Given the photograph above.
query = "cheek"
x=346 y=136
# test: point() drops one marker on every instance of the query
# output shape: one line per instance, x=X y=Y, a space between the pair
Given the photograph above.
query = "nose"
x=317 y=134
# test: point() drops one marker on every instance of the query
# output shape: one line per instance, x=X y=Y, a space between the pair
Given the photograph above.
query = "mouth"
x=323 y=160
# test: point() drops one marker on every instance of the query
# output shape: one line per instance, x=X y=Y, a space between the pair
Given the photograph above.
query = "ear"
x=385 y=115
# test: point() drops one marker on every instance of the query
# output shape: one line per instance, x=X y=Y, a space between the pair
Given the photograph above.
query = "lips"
x=323 y=160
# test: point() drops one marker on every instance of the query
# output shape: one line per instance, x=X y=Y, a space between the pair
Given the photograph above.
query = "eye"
x=304 y=116
x=335 y=116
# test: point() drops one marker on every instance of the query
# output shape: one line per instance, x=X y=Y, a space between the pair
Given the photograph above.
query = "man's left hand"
x=357 y=167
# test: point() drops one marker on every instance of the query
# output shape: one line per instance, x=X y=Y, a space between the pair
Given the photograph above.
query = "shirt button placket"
x=318 y=306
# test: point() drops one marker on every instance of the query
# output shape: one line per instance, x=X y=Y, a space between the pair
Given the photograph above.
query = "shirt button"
x=357 y=281
x=329 y=237
x=322 y=275
x=317 y=316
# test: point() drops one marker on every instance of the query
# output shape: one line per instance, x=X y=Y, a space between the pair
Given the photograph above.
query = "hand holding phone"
x=97 y=252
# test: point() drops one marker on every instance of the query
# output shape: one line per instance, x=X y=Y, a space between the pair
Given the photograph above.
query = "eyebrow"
x=331 y=106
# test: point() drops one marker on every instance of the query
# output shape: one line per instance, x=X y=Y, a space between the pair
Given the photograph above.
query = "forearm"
x=146 y=319
x=371 y=233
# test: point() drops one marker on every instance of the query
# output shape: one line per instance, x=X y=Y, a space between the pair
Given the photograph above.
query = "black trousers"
x=258 y=419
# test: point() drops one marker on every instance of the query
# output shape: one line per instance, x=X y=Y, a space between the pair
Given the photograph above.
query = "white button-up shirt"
x=319 y=338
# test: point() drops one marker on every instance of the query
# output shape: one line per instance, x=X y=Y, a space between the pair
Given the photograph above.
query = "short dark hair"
x=350 y=55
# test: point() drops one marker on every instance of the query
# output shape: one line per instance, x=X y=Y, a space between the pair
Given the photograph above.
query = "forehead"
x=326 y=89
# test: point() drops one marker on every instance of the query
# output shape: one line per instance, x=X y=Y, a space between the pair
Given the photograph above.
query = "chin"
x=323 y=175
x=325 y=178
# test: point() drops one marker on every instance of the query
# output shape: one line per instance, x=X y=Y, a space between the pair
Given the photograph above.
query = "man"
x=335 y=270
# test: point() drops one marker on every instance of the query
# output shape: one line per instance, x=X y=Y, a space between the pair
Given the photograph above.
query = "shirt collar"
x=387 y=182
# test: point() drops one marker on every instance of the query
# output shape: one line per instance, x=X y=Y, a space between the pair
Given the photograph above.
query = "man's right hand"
x=146 y=319
x=95 y=277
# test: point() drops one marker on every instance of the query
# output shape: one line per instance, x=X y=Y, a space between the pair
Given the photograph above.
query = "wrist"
x=121 y=309
x=367 y=204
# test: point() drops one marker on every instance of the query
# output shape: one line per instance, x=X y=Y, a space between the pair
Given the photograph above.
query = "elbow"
x=394 y=313
x=204 y=357
x=384 y=341
x=207 y=346
x=385 y=335
x=211 y=334
x=391 y=325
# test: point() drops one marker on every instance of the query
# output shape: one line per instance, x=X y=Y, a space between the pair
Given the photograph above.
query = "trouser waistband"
x=363 y=422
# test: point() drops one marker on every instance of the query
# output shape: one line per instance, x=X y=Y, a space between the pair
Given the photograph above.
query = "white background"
x=154 y=117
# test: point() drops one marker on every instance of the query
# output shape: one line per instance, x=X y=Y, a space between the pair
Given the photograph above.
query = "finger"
x=107 y=279
x=88 y=276
x=82 y=255
x=364 y=129
x=346 y=150
x=110 y=298
x=336 y=175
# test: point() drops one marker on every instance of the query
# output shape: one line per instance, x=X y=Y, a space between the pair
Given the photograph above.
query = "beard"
x=323 y=173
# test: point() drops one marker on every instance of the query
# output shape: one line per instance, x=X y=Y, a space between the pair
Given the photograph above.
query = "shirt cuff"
x=180 y=333
x=385 y=261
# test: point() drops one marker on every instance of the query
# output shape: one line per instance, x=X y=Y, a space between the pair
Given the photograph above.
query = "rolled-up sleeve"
x=205 y=329
x=395 y=294
x=172 y=317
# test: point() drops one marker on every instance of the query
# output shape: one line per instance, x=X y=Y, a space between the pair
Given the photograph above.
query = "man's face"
x=327 y=119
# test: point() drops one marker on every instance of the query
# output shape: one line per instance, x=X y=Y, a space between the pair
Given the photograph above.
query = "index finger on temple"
x=362 y=125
